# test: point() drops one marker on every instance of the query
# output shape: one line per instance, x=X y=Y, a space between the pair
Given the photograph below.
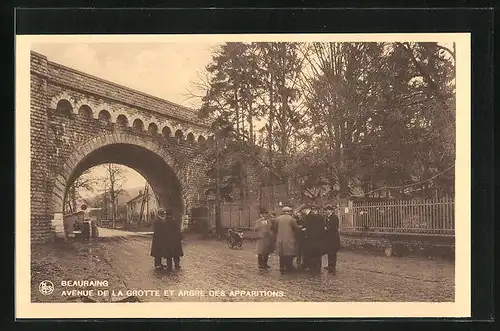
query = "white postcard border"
x=460 y=308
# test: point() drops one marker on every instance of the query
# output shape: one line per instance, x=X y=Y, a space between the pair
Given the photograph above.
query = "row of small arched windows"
x=64 y=108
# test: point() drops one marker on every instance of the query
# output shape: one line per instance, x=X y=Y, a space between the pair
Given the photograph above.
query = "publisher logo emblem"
x=46 y=287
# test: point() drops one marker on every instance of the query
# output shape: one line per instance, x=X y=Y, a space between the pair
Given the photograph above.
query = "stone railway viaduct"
x=78 y=121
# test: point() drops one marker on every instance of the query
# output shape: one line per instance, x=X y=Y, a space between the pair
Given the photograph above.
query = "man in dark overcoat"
x=300 y=215
x=167 y=240
x=314 y=245
x=332 y=239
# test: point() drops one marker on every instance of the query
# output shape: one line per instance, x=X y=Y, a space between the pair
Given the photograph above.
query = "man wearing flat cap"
x=286 y=243
x=332 y=239
x=167 y=240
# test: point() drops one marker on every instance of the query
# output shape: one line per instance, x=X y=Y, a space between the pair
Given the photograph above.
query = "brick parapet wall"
x=76 y=80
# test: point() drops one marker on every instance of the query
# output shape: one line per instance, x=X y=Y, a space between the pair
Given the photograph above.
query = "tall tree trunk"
x=260 y=194
x=237 y=110
x=250 y=124
x=284 y=139
x=270 y=132
x=271 y=163
x=246 y=181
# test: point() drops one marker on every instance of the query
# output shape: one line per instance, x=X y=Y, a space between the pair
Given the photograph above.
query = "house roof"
x=140 y=197
x=137 y=198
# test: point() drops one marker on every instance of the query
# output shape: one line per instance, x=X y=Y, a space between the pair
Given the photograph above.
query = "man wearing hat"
x=167 y=240
x=300 y=215
x=265 y=238
x=332 y=239
x=286 y=243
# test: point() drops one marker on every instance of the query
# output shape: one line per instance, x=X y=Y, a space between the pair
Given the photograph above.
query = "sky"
x=164 y=70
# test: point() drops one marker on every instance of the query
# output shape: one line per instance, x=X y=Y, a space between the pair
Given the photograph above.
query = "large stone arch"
x=87 y=154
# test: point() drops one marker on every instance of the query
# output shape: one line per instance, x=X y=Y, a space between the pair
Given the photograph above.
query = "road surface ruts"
x=210 y=265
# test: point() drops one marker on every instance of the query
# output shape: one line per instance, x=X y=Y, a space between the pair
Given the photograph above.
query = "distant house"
x=148 y=204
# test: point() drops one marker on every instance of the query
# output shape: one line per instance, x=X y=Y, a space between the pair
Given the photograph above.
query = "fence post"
x=449 y=225
x=239 y=218
x=249 y=215
x=350 y=214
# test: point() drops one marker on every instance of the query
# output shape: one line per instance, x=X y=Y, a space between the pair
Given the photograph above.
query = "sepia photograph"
x=243 y=169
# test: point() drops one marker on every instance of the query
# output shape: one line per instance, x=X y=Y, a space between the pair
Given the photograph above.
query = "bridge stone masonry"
x=78 y=121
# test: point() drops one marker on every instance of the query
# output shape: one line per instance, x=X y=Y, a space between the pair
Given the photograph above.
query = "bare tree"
x=84 y=183
x=114 y=179
x=383 y=113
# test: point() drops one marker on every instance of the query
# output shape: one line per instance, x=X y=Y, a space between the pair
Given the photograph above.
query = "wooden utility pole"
x=105 y=201
x=218 y=223
x=147 y=205
x=112 y=194
x=144 y=202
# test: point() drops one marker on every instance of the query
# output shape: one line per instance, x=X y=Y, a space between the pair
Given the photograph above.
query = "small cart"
x=82 y=223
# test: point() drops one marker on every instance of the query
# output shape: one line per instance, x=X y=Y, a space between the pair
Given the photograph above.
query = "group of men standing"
x=306 y=234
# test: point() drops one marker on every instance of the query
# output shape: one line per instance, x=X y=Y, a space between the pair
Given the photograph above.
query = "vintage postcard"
x=306 y=175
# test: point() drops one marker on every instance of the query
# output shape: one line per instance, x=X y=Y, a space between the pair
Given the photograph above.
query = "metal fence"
x=416 y=216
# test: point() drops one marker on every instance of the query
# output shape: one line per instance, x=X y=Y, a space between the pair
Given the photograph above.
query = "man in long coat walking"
x=332 y=239
x=167 y=240
x=265 y=238
x=286 y=243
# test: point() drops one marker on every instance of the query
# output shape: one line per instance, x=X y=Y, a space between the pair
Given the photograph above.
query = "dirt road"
x=209 y=265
